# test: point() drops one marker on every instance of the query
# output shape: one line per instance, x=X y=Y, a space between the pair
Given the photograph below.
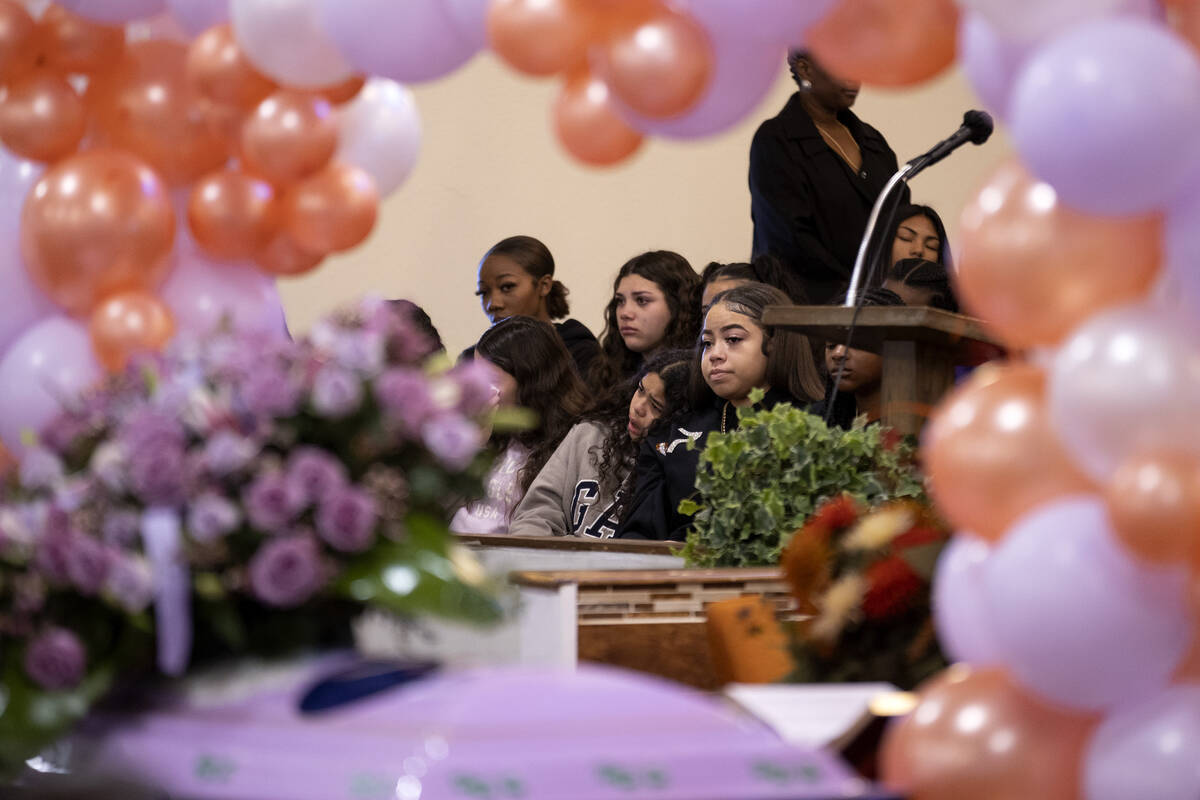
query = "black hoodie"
x=666 y=469
x=580 y=342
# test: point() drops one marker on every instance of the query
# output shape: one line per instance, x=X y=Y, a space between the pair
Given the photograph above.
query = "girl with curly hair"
x=534 y=370
x=584 y=485
x=653 y=307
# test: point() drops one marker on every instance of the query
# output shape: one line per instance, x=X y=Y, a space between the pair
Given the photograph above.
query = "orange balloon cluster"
x=1034 y=269
x=976 y=734
x=635 y=54
x=886 y=42
x=128 y=323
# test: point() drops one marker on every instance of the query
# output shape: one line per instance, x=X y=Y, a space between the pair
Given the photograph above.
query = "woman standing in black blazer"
x=815 y=171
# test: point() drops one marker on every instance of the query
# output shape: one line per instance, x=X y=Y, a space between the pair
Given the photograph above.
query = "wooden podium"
x=920 y=346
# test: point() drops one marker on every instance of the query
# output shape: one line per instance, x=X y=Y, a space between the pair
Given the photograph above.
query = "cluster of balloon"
x=164 y=161
x=1070 y=595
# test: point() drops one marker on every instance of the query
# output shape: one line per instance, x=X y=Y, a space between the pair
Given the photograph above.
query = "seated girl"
x=533 y=370
x=736 y=355
x=766 y=268
x=919 y=233
x=921 y=283
x=858 y=373
x=516 y=278
x=652 y=308
x=583 y=486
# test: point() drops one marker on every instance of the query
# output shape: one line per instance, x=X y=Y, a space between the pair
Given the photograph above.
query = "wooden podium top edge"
x=914 y=323
x=642 y=577
x=571 y=543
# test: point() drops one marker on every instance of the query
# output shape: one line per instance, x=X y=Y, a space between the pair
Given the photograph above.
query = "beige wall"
x=490 y=168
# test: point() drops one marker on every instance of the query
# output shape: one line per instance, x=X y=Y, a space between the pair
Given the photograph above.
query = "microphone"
x=976 y=128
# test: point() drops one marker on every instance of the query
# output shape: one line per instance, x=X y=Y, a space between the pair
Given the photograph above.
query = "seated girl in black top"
x=736 y=355
x=516 y=279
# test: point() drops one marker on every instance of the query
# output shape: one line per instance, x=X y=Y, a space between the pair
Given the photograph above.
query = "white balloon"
x=285 y=41
x=49 y=366
x=1126 y=382
x=380 y=131
x=112 y=12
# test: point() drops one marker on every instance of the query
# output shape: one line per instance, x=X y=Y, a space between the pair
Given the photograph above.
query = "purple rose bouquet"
x=240 y=493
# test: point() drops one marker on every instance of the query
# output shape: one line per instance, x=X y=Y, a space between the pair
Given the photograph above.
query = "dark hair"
x=765 y=268
x=534 y=354
x=421 y=321
x=672 y=274
x=913 y=210
x=790 y=364
x=535 y=258
x=927 y=275
x=616 y=455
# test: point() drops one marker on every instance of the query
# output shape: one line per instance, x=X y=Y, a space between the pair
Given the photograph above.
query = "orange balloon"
x=73 y=44
x=660 y=67
x=1189 y=668
x=146 y=105
x=886 y=42
x=18 y=40
x=586 y=124
x=285 y=258
x=976 y=735
x=97 y=223
x=1185 y=18
x=232 y=215
x=541 y=37
x=41 y=116
x=1154 y=504
x=345 y=91
x=333 y=210
x=991 y=453
x=289 y=136
x=127 y=324
x=1034 y=269
x=220 y=72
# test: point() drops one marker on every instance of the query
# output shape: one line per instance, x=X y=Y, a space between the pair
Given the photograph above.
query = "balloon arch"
x=165 y=160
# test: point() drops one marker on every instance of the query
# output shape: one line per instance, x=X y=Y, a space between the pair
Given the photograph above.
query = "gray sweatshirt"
x=565 y=498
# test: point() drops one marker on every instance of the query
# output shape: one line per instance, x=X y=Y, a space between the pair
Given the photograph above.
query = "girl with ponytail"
x=516 y=279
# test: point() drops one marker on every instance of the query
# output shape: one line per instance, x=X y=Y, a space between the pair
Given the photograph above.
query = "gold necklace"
x=724 y=409
x=828 y=137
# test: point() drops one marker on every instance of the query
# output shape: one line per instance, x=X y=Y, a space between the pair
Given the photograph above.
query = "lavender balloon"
x=409 y=42
x=111 y=12
x=201 y=294
x=1078 y=620
x=960 y=608
x=46 y=368
x=744 y=73
x=470 y=20
x=1181 y=244
x=196 y=16
x=1127 y=381
x=1151 y=749
x=990 y=61
x=24 y=303
x=1107 y=114
x=780 y=21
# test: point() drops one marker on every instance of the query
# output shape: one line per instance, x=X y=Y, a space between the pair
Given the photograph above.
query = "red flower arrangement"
x=863 y=578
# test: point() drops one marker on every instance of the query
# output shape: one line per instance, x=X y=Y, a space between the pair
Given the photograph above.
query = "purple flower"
x=315 y=473
x=61 y=432
x=156 y=473
x=453 y=439
x=286 y=572
x=477 y=380
x=270 y=391
x=336 y=392
x=55 y=659
x=346 y=520
x=88 y=563
x=148 y=429
x=363 y=351
x=211 y=516
x=404 y=393
x=272 y=501
x=130 y=583
x=121 y=527
x=29 y=593
x=51 y=555
x=40 y=469
x=227 y=452
x=71 y=494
